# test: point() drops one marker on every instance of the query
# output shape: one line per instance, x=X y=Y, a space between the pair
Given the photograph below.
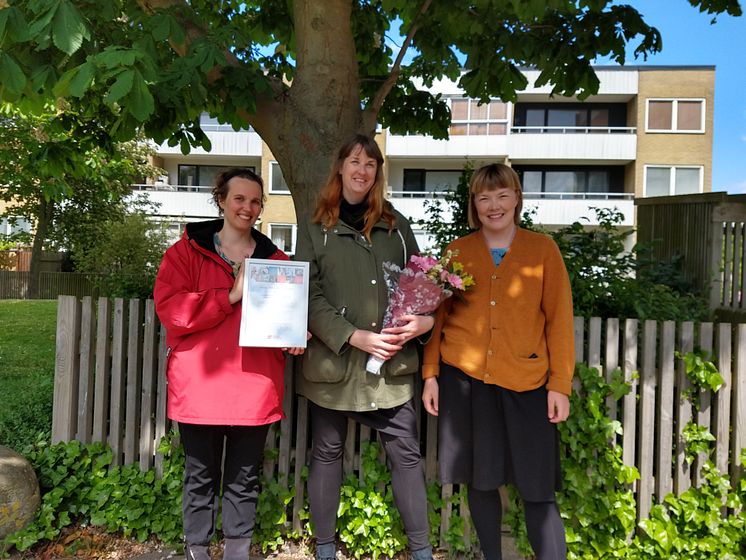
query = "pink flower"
x=423 y=263
x=456 y=281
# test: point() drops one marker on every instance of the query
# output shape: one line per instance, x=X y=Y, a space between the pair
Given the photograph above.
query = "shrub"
x=126 y=257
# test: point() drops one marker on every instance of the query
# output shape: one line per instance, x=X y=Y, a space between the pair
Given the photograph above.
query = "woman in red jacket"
x=217 y=390
x=498 y=368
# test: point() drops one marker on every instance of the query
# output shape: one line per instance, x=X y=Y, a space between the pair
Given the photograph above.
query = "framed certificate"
x=275 y=304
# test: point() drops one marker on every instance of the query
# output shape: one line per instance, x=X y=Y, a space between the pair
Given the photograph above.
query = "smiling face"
x=242 y=205
x=358 y=174
x=496 y=209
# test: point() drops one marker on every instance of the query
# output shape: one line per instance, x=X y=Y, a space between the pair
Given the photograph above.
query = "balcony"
x=456 y=146
x=178 y=201
x=551 y=209
x=568 y=143
x=224 y=143
x=559 y=209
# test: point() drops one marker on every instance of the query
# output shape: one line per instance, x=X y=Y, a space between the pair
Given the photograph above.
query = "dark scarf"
x=353 y=214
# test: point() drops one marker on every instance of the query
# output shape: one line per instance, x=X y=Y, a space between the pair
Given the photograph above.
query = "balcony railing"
x=573 y=129
x=551 y=195
x=556 y=195
x=171 y=188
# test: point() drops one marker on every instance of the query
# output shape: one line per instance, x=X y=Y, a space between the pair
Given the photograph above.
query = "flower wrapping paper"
x=411 y=292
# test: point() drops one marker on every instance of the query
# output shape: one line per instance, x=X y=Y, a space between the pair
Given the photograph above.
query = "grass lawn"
x=27 y=348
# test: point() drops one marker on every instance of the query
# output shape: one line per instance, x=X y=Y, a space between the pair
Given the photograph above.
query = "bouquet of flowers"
x=418 y=289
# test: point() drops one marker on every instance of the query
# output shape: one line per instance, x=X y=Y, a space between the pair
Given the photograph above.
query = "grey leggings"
x=329 y=430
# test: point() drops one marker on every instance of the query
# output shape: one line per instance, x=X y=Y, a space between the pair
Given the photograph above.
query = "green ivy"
x=697 y=439
x=367 y=519
x=597 y=503
x=702 y=374
x=693 y=525
x=273 y=528
x=79 y=484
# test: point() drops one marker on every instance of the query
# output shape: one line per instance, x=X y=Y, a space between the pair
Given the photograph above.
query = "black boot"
x=326 y=551
x=236 y=549
x=196 y=552
x=423 y=554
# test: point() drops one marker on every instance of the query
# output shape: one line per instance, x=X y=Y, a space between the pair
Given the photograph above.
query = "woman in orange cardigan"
x=498 y=368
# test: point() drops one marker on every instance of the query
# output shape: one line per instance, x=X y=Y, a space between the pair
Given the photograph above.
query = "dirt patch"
x=90 y=542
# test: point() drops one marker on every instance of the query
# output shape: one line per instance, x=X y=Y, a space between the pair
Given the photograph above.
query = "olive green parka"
x=347 y=292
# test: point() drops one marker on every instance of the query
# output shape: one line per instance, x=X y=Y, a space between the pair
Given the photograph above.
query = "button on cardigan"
x=514 y=327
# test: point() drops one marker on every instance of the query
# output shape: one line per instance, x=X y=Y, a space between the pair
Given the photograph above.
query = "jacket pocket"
x=404 y=362
x=322 y=365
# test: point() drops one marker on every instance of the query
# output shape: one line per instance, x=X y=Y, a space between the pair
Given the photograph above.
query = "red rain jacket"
x=211 y=379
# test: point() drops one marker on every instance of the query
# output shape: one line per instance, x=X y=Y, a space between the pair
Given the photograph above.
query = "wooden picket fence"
x=110 y=386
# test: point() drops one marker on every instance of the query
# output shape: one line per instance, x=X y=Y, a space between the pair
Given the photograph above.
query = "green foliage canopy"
x=304 y=74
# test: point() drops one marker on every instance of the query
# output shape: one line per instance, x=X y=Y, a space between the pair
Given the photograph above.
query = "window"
x=663 y=180
x=468 y=117
x=676 y=115
x=200 y=175
x=568 y=179
x=277 y=184
x=430 y=180
x=13 y=225
x=283 y=235
x=570 y=117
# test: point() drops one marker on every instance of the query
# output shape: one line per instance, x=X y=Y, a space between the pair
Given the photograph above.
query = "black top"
x=353 y=214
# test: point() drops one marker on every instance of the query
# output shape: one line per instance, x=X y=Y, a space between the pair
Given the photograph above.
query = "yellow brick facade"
x=660 y=148
x=279 y=208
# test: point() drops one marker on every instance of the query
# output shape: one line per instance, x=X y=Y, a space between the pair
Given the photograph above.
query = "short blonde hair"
x=489 y=178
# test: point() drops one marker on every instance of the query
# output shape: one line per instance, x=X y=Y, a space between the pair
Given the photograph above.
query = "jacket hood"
x=202 y=234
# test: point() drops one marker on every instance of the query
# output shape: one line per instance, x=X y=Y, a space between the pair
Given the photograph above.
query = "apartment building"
x=647 y=132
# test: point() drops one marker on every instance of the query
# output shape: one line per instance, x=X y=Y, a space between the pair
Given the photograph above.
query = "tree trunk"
x=43 y=219
x=306 y=125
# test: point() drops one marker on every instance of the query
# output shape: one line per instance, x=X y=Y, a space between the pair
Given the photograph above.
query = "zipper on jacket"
x=403 y=245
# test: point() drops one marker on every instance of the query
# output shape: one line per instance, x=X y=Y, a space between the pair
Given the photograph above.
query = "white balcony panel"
x=197 y=205
x=224 y=143
x=582 y=147
x=456 y=146
x=549 y=211
x=414 y=208
x=614 y=81
x=554 y=212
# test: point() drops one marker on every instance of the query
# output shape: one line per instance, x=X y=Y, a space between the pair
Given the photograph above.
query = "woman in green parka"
x=352 y=232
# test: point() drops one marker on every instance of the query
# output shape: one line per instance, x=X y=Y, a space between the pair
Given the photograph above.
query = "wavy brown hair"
x=490 y=178
x=330 y=197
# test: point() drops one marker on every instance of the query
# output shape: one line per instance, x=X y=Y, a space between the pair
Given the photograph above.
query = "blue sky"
x=690 y=39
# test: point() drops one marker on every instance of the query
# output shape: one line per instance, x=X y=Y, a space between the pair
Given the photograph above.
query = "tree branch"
x=393 y=76
x=265 y=103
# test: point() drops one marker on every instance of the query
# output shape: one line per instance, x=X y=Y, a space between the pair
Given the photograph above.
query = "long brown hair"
x=490 y=178
x=330 y=197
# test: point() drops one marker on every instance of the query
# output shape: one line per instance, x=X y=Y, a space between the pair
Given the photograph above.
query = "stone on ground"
x=19 y=492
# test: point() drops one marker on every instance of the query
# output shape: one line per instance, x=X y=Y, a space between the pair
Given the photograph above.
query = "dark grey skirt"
x=489 y=436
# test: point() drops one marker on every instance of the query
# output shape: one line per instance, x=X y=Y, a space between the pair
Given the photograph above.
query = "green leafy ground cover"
x=27 y=346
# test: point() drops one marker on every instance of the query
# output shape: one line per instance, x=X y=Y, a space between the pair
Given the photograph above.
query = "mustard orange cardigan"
x=514 y=327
